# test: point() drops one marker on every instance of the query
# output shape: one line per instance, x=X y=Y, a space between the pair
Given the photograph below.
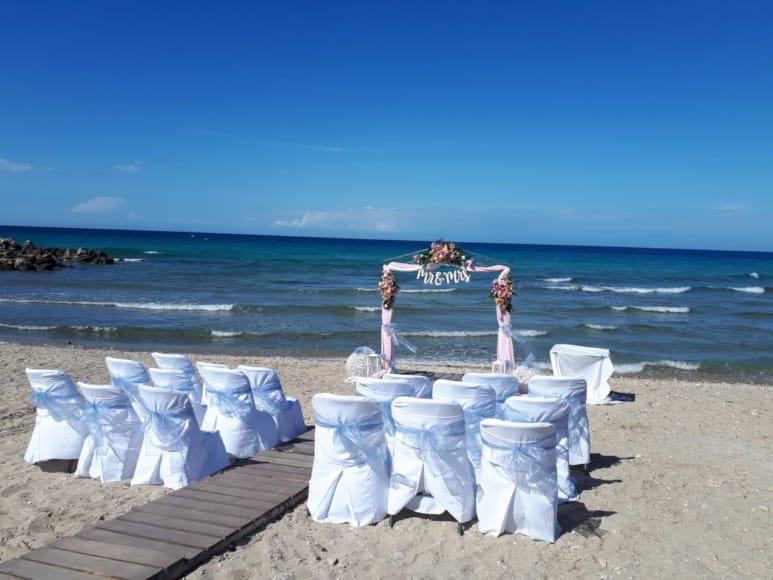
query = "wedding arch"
x=428 y=265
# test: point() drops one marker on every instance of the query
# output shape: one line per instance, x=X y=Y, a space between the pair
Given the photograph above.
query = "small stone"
x=332 y=561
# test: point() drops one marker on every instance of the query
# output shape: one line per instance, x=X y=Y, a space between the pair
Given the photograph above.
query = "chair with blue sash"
x=504 y=384
x=127 y=375
x=431 y=472
x=180 y=362
x=180 y=380
x=231 y=411
x=269 y=396
x=350 y=475
x=584 y=362
x=573 y=391
x=59 y=425
x=518 y=489
x=175 y=452
x=113 y=444
x=478 y=402
x=556 y=412
x=384 y=391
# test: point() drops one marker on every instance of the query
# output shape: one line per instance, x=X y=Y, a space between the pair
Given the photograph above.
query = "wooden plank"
x=255 y=506
x=257 y=480
x=207 y=507
x=281 y=477
x=112 y=551
x=286 y=459
x=159 y=521
x=193 y=516
x=245 y=493
x=91 y=564
x=303 y=448
x=307 y=436
x=191 y=539
x=175 y=552
x=37 y=571
x=273 y=468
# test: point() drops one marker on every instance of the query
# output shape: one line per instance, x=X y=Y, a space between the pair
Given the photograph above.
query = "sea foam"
x=750 y=289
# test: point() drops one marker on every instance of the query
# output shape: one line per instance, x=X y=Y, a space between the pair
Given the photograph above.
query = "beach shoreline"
x=680 y=486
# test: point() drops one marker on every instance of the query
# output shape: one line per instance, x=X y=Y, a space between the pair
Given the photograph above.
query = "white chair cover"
x=199 y=365
x=180 y=380
x=421 y=384
x=430 y=469
x=505 y=385
x=478 y=402
x=556 y=412
x=231 y=410
x=350 y=476
x=127 y=375
x=113 y=444
x=269 y=397
x=59 y=427
x=175 y=452
x=571 y=390
x=384 y=391
x=518 y=489
x=591 y=364
x=180 y=362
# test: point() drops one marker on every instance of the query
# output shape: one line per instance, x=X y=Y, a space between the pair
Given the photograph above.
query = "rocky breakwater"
x=29 y=257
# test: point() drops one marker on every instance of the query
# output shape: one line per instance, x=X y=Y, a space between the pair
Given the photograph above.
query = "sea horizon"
x=694 y=313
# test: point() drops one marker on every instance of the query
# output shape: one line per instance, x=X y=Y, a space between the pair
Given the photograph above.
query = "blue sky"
x=563 y=122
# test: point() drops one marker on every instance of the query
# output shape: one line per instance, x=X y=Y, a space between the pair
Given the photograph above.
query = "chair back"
x=349 y=426
x=384 y=391
x=54 y=394
x=127 y=375
x=266 y=388
x=573 y=391
x=589 y=363
x=179 y=380
x=421 y=384
x=180 y=362
x=505 y=385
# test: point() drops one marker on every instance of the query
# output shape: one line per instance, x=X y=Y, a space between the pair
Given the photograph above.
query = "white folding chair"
x=59 y=426
x=421 y=384
x=431 y=473
x=478 y=402
x=180 y=380
x=556 y=412
x=231 y=410
x=591 y=364
x=127 y=375
x=199 y=366
x=175 y=452
x=180 y=362
x=573 y=391
x=384 y=391
x=504 y=384
x=350 y=475
x=269 y=396
x=113 y=444
x=518 y=491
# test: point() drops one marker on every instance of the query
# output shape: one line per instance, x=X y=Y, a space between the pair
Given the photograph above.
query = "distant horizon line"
x=401 y=240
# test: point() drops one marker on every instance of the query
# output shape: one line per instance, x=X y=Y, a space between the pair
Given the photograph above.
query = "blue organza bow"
x=95 y=417
x=472 y=418
x=357 y=437
x=529 y=465
x=227 y=400
x=62 y=405
x=269 y=397
x=168 y=425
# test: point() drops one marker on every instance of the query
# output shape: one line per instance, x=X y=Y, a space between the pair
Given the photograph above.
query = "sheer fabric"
x=384 y=391
x=113 y=444
x=350 y=475
x=571 y=390
x=478 y=402
x=431 y=473
x=556 y=412
x=180 y=380
x=59 y=426
x=175 y=452
x=422 y=385
x=591 y=364
x=180 y=362
x=518 y=492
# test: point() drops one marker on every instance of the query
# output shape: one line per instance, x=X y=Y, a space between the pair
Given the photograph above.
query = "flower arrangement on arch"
x=389 y=289
x=441 y=252
x=502 y=292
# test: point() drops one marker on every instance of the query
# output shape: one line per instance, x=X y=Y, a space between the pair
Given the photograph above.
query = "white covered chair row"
x=353 y=480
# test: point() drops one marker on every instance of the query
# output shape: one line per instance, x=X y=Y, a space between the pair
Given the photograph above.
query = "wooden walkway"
x=170 y=536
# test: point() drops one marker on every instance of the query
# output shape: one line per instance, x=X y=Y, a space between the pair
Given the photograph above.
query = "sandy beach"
x=681 y=486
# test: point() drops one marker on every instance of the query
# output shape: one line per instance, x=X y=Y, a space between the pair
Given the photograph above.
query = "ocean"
x=681 y=313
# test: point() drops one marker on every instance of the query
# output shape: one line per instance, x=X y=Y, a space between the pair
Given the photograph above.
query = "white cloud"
x=13 y=167
x=353 y=220
x=99 y=205
x=134 y=167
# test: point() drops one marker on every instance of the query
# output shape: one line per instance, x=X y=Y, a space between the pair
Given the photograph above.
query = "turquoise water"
x=660 y=312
